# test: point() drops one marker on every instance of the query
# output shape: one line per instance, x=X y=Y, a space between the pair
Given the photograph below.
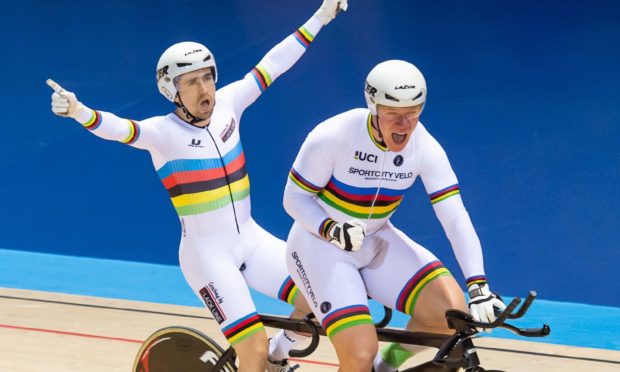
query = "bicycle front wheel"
x=174 y=349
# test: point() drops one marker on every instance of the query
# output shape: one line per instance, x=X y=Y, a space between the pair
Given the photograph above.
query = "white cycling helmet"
x=179 y=59
x=394 y=83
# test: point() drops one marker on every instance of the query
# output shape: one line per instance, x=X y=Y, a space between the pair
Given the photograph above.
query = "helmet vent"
x=206 y=58
x=183 y=64
x=387 y=96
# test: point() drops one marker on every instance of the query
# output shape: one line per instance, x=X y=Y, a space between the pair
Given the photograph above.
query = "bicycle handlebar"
x=462 y=322
x=465 y=326
x=387 y=316
x=314 y=343
x=525 y=307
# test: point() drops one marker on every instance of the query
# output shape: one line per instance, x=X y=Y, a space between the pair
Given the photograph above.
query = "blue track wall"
x=523 y=95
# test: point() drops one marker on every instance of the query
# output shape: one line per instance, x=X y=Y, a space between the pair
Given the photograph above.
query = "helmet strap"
x=378 y=129
x=189 y=117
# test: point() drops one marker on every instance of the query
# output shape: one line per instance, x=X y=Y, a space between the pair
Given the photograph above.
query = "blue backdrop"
x=523 y=95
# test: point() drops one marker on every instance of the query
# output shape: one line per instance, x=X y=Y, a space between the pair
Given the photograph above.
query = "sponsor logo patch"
x=398 y=160
x=195 y=143
x=304 y=277
x=228 y=131
x=211 y=296
x=372 y=174
x=326 y=307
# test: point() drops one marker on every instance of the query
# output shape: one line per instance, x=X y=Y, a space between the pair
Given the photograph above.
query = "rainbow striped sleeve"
x=303 y=36
x=445 y=193
x=302 y=182
x=261 y=74
x=94 y=121
x=325 y=226
x=262 y=77
x=478 y=279
x=134 y=133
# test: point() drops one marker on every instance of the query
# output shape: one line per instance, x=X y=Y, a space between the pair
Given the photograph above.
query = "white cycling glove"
x=64 y=103
x=482 y=302
x=347 y=236
x=330 y=9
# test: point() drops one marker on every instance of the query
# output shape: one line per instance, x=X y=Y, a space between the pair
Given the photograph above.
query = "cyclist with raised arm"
x=197 y=153
x=349 y=177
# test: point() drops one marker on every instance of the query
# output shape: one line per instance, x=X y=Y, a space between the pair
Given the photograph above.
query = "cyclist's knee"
x=357 y=360
x=440 y=295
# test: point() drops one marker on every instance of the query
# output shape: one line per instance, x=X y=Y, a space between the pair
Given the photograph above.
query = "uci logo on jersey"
x=371 y=158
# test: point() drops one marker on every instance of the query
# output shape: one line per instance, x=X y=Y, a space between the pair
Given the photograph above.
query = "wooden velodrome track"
x=43 y=331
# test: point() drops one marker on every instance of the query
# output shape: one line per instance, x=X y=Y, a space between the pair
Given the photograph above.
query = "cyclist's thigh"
x=264 y=266
x=329 y=279
x=400 y=271
x=212 y=273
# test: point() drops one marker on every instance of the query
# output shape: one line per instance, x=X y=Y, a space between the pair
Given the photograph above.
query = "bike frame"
x=455 y=351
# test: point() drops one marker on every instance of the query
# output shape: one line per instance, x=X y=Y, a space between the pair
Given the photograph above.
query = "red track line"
x=85 y=335
x=306 y=361
x=71 y=334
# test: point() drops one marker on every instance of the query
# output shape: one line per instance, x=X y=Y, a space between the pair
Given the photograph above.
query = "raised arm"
x=280 y=58
x=101 y=124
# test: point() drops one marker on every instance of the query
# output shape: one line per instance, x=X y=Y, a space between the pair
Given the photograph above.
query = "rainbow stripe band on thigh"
x=409 y=294
x=242 y=328
x=288 y=291
x=346 y=317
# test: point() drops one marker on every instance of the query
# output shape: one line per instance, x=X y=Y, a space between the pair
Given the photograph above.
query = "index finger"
x=54 y=85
